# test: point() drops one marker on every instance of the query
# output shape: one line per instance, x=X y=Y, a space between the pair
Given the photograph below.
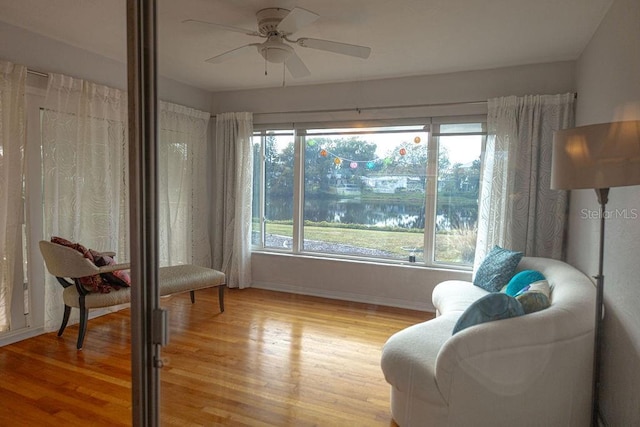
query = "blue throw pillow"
x=497 y=269
x=490 y=307
x=522 y=279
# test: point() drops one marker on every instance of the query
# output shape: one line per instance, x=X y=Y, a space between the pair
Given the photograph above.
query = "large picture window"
x=398 y=193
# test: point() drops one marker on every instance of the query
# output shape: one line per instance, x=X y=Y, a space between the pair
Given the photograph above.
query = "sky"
x=461 y=148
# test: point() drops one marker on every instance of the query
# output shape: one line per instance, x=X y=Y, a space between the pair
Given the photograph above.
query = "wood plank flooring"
x=271 y=359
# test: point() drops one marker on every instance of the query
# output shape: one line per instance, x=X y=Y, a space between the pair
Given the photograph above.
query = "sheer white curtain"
x=233 y=196
x=12 y=140
x=85 y=168
x=183 y=207
x=518 y=210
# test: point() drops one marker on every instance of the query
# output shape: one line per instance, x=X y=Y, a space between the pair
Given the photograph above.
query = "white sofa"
x=531 y=370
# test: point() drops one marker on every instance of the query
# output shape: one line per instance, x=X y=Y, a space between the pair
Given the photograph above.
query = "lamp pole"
x=603 y=198
x=598 y=156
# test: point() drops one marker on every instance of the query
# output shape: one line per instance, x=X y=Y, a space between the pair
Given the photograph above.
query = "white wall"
x=392 y=285
x=548 y=78
x=608 y=81
x=396 y=285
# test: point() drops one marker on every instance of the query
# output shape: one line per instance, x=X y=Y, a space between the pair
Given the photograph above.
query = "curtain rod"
x=340 y=110
x=361 y=109
x=391 y=107
x=37 y=73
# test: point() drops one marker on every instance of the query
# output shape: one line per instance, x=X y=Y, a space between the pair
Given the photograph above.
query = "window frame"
x=299 y=133
x=434 y=141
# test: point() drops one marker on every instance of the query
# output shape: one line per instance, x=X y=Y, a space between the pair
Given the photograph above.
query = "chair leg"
x=221 y=297
x=84 y=319
x=193 y=296
x=65 y=319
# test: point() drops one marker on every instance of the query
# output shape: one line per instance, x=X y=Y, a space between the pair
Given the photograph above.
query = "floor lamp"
x=600 y=157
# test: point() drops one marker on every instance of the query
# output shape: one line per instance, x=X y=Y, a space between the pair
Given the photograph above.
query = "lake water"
x=352 y=211
x=374 y=213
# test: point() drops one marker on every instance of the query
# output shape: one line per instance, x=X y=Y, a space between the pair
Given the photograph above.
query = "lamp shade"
x=596 y=156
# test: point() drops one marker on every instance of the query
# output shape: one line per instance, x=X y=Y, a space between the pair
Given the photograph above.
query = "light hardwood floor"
x=271 y=359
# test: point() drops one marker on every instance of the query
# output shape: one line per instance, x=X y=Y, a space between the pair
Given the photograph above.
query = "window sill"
x=362 y=260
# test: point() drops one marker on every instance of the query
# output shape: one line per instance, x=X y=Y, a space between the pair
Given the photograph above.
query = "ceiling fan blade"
x=223 y=27
x=296 y=19
x=296 y=67
x=336 y=47
x=231 y=53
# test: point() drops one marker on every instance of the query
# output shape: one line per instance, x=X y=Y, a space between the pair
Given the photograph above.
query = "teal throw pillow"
x=497 y=269
x=494 y=306
x=522 y=279
x=533 y=301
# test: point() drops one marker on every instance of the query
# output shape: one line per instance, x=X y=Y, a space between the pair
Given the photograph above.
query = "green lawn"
x=451 y=246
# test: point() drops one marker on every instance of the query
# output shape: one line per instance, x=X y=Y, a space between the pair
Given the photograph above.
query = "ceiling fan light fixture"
x=275 y=51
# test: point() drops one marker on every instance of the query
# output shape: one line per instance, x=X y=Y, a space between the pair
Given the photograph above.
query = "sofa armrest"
x=485 y=376
x=455 y=296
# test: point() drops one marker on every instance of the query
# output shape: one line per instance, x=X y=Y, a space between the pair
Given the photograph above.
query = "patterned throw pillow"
x=533 y=301
x=494 y=306
x=497 y=269
x=117 y=279
x=535 y=297
x=538 y=286
x=97 y=283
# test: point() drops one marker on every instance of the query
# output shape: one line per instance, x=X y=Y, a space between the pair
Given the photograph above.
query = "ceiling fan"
x=276 y=25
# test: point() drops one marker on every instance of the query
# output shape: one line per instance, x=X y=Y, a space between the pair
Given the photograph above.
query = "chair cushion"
x=173 y=279
x=187 y=277
x=96 y=299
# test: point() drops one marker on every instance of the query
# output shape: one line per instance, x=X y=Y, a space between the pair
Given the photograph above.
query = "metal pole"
x=603 y=195
x=142 y=98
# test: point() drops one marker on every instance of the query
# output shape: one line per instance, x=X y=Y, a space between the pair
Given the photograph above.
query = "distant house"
x=390 y=184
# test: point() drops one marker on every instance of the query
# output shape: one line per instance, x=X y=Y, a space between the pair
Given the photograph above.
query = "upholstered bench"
x=67 y=263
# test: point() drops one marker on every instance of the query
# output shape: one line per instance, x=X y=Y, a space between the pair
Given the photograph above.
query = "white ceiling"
x=407 y=37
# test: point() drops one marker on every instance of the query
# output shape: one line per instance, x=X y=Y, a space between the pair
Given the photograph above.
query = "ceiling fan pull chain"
x=265 y=63
x=283 y=67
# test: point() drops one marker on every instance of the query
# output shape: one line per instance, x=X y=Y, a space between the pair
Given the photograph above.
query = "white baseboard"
x=26 y=333
x=345 y=296
x=19 y=335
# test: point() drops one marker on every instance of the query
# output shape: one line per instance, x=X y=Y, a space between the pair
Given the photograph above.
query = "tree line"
x=458 y=184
